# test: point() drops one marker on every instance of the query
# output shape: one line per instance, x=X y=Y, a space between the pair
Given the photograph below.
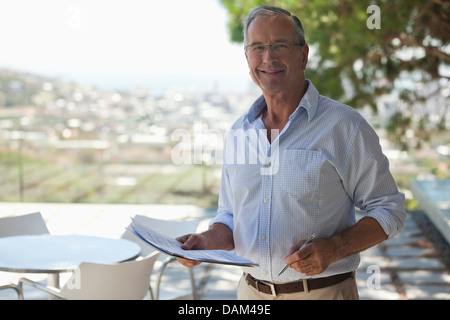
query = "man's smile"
x=272 y=71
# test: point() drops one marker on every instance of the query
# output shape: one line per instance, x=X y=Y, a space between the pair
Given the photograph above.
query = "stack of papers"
x=172 y=247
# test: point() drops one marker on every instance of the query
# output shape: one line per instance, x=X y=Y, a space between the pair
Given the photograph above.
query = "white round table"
x=54 y=254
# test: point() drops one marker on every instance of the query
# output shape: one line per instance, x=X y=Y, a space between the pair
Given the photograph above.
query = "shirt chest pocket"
x=300 y=171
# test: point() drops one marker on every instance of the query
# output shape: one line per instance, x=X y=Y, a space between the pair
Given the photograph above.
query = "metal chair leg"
x=161 y=271
x=14 y=287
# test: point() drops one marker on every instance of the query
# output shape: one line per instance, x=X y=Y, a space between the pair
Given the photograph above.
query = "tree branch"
x=407 y=40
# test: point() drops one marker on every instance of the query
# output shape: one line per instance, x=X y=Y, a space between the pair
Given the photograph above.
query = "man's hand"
x=192 y=242
x=218 y=237
x=313 y=259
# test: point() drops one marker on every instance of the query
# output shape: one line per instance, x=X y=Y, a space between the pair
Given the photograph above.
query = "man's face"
x=275 y=73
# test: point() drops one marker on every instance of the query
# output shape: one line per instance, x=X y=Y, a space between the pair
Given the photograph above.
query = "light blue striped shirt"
x=325 y=161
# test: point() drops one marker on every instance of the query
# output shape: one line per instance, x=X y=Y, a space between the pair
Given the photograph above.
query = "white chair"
x=172 y=229
x=29 y=224
x=14 y=287
x=94 y=281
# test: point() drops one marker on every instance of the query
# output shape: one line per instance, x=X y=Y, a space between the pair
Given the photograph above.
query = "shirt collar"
x=309 y=102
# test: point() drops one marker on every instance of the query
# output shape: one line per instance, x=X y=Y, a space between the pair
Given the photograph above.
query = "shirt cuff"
x=225 y=218
x=391 y=223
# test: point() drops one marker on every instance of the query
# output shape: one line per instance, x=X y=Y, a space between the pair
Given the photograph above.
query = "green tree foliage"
x=353 y=62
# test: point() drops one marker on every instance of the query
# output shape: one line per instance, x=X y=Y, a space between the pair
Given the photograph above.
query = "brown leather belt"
x=298 y=286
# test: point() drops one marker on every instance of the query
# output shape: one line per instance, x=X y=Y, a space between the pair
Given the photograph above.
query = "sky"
x=132 y=38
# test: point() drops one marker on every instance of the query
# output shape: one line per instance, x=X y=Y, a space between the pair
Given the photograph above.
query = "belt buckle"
x=271 y=285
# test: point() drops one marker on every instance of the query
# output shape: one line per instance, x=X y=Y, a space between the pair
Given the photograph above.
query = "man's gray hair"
x=299 y=33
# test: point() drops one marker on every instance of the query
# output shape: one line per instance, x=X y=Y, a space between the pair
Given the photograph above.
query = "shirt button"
x=268 y=164
x=266 y=200
x=266 y=272
x=264 y=237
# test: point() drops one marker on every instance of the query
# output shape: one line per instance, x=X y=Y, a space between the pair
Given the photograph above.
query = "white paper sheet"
x=172 y=247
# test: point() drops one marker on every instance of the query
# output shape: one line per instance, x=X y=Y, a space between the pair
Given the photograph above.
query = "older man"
x=325 y=160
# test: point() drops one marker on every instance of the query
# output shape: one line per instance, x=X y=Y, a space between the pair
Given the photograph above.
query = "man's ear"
x=305 y=52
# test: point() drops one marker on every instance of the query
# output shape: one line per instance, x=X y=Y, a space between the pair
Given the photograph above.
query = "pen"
x=306 y=242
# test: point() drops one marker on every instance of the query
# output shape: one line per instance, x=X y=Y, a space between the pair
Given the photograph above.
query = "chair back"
x=119 y=281
x=28 y=224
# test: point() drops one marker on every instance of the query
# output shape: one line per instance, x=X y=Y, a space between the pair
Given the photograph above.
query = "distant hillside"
x=19 y=88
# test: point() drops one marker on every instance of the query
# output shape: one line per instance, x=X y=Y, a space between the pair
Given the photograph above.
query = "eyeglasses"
x=279 y=48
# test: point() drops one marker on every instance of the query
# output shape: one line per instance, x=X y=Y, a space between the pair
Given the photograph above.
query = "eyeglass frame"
x=266 y=46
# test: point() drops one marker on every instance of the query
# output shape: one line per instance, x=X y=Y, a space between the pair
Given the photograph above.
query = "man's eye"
x=281 y=46
x=258 y=49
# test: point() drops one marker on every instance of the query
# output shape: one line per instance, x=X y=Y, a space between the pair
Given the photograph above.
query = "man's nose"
x=269 y=55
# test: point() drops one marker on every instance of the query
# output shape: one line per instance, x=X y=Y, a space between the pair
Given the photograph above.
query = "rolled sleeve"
x=391 y=221
x=224 y=212
x=370 y=183
x=225 y=218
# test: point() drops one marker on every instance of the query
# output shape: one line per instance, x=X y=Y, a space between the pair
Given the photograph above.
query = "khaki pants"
x=346 y=290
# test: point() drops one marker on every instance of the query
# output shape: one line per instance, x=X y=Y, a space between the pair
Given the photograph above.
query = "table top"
x=61 y=253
